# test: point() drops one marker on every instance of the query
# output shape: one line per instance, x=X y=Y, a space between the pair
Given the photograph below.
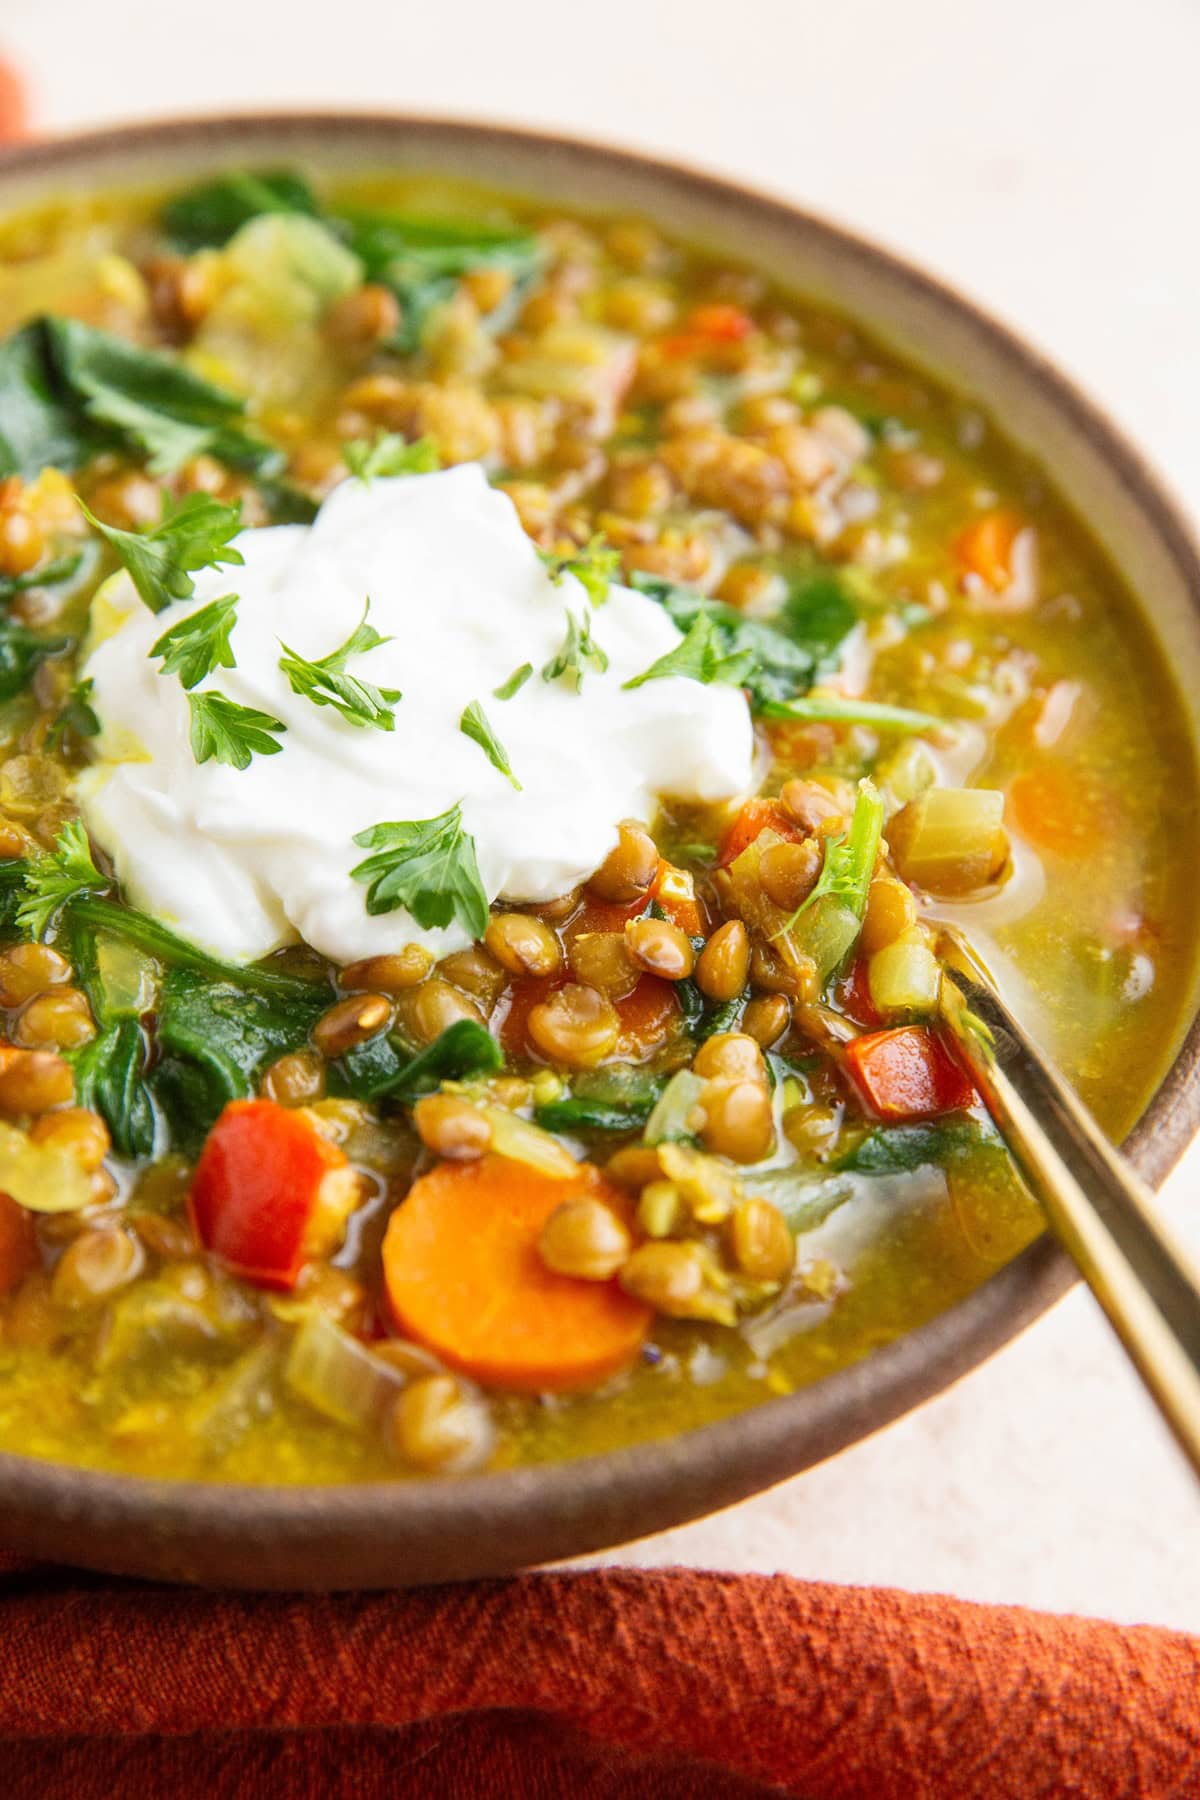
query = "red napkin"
x=612 y=1685
x=603 y=1686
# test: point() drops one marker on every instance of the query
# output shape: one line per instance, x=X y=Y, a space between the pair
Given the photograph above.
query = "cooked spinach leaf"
x=217 y=1039
x=21 y=650
x=40 y=427
x=110 y=1077
x=898 y=1149
x=208 y=215
x=385 y=1066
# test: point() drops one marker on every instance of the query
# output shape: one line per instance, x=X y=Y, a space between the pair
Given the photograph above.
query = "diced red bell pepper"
x=269 y=1192
x=907 y=1074
x=755 y=816
x=854 y=997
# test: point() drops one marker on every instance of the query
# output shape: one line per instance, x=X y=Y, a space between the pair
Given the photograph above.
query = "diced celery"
x=336 y=1375
x=904 y=978
x=951 y=840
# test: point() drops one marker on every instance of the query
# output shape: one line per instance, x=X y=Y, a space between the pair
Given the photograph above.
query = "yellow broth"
x=181 y=1371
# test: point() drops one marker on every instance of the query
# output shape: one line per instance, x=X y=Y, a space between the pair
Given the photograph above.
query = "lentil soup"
x=613 y=1161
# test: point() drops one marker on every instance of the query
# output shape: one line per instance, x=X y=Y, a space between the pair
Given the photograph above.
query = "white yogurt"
x=242 y=861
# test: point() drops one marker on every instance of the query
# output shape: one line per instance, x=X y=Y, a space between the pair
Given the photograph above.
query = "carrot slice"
x=1061 y=810
x=985 y=548
x=18 y=1246
x=907 y=1074
x=464 y=1277
x=756 y=816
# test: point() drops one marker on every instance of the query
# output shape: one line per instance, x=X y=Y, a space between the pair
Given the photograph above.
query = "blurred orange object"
x=14 y=104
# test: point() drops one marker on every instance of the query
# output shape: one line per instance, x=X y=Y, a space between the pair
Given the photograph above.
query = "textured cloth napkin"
x=608 y=1685
x=612 y=1685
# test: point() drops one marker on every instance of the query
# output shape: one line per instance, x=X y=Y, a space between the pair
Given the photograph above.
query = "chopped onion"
x=337 y=1376
x=40 y=1177
x=671 y=1117
x=516 y=1138
x=951 y=840
x=904 y=978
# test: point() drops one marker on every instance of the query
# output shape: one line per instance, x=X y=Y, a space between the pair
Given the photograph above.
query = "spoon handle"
x=1102 y=1214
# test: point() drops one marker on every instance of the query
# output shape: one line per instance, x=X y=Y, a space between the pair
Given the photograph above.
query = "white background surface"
x=1043 y=156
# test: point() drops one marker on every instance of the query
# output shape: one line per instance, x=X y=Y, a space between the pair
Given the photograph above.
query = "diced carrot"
x=756 y=816
x=985 y=548
x=1061 y=809
x=18 y=1245
x=704 y=329
x=907 y=1074
x=463 y=1276
x=675 y=891
x=269 y=1192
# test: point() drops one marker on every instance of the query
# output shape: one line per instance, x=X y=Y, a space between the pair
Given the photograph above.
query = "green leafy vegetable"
x=208 y=215
x=515 y=682
x=76 y=714
x=389 y=454
x=125 y=922
x=326 y=682
x=898 y=1149
x=12 y=892
x=819 y=614
x=699 y=658
x=619 y=1097
x=192 y=535
x=40 y=427
x=593 y=567
x=579 y=648
x=427 y=866
x=110 y=1078
x=21 y=650
x=230 y=733
x=788 y=653
x=65 y=873
x=47 y=574
x=423 y=259
x=474 y=724
x=199 y=644
x=835 y=709
x=217 y=1039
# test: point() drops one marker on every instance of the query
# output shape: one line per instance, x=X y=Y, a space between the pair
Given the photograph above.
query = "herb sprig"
x=515 y=682
x=475 y=725
x=700 y=657
x=389 y=454
x=63 y=874
x=225 y=732
x=161 y=561
x=427 y=866
x=199 y=644
x=593 y=567
x=326 y=683
x=579 y=650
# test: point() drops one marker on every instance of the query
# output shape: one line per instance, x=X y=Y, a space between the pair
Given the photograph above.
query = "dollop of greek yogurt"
x=241 y=861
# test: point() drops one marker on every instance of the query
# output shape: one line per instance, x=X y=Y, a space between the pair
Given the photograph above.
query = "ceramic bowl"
x=397 y=1533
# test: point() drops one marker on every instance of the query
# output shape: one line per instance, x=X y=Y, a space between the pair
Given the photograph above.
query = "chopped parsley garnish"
x=161 y=561
x=474 y=724
x=390 y=454
x=326 y=683
x=700 y=657
x=515 y=682
x=64 y=873
x=579 y=648
x=593 y=567
x=427 y=866
x=200 y=643
x=76 y=714
x=229 y=733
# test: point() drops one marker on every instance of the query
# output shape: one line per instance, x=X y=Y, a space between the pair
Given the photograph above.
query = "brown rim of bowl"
x=391 y=1533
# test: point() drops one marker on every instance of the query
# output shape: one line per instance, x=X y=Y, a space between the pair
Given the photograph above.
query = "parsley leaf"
x=836 y=709
x=427 y=866
x=326 y=682
x=63 y=874
x=578 y=648
x=76 y=714
x=231 y=733
x=593 y=567
x=515 y=682
x=850 y=859
x=474 y=724
x=193 y=535
x=699 y=657
x=390 y=454
x=200 y=643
